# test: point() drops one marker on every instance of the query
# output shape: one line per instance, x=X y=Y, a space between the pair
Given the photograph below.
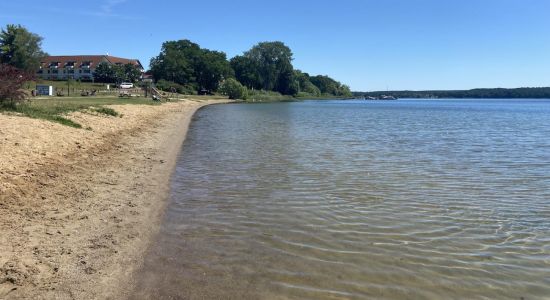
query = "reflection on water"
x=354 y=200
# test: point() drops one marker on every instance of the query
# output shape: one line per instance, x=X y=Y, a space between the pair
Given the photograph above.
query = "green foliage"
x=211 y=69
x=170 y=86
x=329 y=86
x=246 y=72
x=131 y=73
x=267 y=66
x=20 y=48
x=106 y=111
x=305 y=85
x=108 y=73
x=311 y=89
x=56 y=109
x=234 y=89
x=185 y=63
x=325 y=84
x=345 y=91
x=266 y=96
x=104 y=73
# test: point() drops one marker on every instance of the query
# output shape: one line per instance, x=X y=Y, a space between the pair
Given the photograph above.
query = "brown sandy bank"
x=78 y=207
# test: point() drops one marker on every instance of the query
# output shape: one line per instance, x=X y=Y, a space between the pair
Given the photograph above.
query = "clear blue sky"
x=368 y=44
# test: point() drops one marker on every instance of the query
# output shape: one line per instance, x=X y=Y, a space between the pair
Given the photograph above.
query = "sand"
x=79 y=207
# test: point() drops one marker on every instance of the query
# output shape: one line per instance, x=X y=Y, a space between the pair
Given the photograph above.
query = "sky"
x=371 y=45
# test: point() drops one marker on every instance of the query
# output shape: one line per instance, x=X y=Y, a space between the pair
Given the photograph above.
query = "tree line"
x=487 y=93
x=267 y=66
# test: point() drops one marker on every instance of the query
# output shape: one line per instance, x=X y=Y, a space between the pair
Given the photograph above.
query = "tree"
x=329 y=86
x=305 y=84
x=131 y=72
x=246 y=71
x=185 y=63
x=107 y=73
x=325 y=84
x=119 y=73
x=234 y=89
x=268 y=66
x=175 y=62
x=344 y=91
x=287 y=83
x=211 y=69
x=11 y=84
x=104 y=73
x=20 y=48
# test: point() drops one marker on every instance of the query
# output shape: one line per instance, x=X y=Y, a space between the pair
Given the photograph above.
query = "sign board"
x=44 y=90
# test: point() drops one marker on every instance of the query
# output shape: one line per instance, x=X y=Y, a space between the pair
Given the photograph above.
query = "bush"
x=234 y=89
x=12 y=80
x=173 y=87
x=267 y=96
x=106 y=111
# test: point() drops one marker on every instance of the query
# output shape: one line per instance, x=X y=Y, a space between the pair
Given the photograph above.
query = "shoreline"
x=79 y=208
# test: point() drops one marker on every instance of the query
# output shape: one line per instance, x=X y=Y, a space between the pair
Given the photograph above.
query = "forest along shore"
x=79 y=207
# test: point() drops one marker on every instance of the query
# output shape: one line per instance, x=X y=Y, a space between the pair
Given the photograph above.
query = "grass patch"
x=62 y=84
x=55 y=109
x=61 y=120
x=266 y=96
x=106 y=111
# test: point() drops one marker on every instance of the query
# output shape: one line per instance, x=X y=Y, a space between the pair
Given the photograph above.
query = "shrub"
x=234 y=89
x=170 y=86
x=12 y=80
x=267 y=96
x=106 y=111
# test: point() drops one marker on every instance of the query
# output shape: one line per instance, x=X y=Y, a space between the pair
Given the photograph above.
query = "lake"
x=407 y=199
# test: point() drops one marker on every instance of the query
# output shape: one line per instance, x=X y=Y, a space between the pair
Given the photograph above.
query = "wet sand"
x=78 y=208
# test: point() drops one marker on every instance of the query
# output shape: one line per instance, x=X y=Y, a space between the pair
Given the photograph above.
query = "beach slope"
x=78 y=207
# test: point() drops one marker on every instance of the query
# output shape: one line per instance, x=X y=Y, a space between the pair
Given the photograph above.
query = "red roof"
x=84 y=59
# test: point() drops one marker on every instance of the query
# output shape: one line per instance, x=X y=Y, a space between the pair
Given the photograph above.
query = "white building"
x=78 y=66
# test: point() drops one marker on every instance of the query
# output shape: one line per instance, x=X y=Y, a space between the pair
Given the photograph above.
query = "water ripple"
x=355 y=200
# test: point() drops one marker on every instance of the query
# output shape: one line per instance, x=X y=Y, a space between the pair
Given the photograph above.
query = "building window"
x=87 y=71
x=55 y=71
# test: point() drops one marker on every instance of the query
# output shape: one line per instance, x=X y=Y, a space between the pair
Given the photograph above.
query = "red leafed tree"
x=11 y=84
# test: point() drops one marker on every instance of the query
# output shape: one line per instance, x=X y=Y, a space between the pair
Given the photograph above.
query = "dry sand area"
x=78 y=208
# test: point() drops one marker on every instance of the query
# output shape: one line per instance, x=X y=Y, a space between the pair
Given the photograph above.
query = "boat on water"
x=381 y=97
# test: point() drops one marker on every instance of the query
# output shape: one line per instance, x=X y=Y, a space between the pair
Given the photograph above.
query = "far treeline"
x=496 y=93
x=265 y=71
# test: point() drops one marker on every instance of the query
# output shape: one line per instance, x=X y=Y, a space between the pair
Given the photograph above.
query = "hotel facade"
x=78 y=66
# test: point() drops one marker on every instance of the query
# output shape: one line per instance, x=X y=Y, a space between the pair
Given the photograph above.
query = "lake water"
x=408 y=199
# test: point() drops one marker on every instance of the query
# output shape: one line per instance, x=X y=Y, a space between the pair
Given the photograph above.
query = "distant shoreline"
x=483 y=93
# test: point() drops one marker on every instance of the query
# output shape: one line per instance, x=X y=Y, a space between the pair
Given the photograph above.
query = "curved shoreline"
x=79 y=208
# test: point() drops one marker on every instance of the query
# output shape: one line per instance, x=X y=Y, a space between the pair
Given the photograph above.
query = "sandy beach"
x=78 y=207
